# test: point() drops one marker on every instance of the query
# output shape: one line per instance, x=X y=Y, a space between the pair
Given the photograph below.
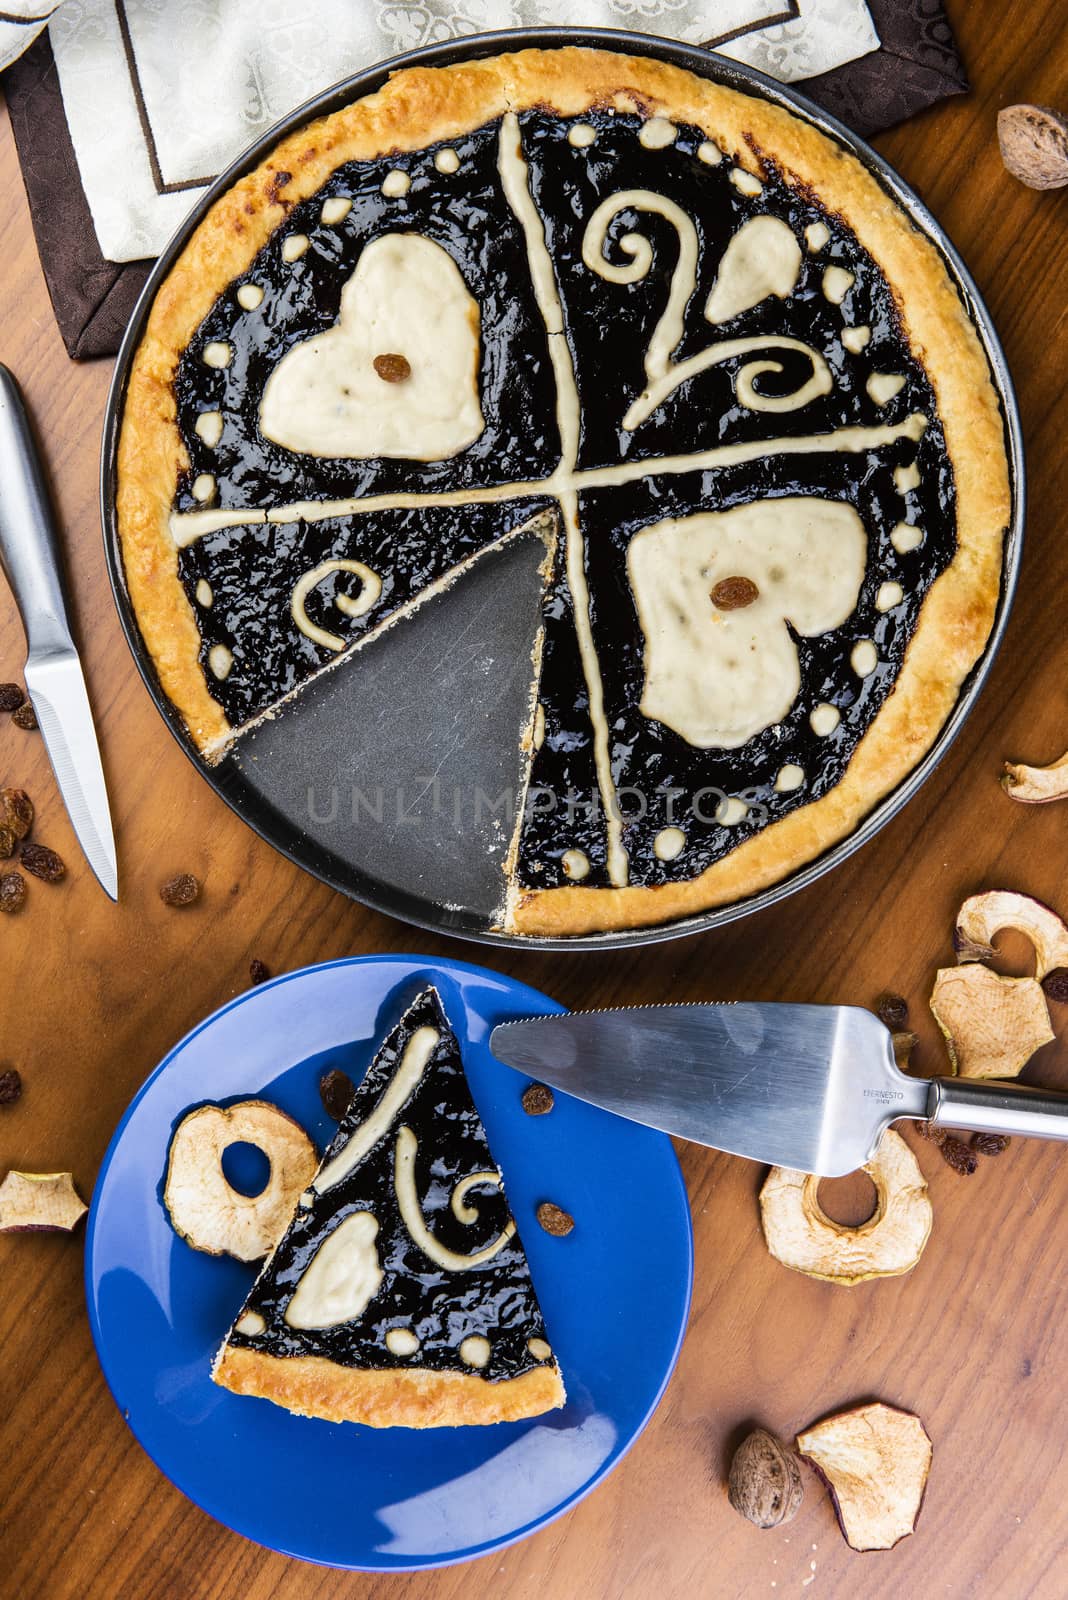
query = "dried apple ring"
x=799 y=1233
x=982 y=916
x=204 y=1209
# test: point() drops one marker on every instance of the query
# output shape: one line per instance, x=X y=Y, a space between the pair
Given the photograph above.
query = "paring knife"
x=30 y=561
x=808 y=1087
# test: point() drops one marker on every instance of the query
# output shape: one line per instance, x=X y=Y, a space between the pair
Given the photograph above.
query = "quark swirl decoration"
x=411 y=1210
x=351 y=607
x=665 y=376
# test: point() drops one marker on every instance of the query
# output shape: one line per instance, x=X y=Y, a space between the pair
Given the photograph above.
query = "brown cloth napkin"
x=917 y=64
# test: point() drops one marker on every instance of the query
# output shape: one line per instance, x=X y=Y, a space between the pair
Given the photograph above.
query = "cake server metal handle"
x=987 y=1106
x=30 y=561
x=808 y=1087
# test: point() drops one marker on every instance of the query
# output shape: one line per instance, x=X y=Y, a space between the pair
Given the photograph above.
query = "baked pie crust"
x=900 y=666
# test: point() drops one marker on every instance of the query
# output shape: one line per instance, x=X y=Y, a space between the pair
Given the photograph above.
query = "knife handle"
x=985 y=1106
x=29 y=548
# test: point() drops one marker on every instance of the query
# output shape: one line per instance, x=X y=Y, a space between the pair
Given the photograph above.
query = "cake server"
x=30 y=561
x=808 y=1087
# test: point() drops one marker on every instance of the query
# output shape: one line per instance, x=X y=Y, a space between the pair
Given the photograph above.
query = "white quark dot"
x=575 y=863
x=905 y=538
x=539 y=1349
x=709 y=153
x=790 y=777
x=857 y=338
x=401 y=1342
x=669 y=843
x=294 y=247
x=824 y=718
x=220 y=660
x=581 y=135
x=837 y=282
x=864 y=658
x=882 y=386
x=250 y=295
x=475 y=1351
x=657 y=133
x=731 y=811
x=817 y=234
x=251 y=1323
x=447 y=161
x=906 y=478
x=889 y=596
x=745 y=182
x=208 y=427
x=217 y=354
x=205 y=594
x=204 y=487
x=336 y=209
x=395 y=184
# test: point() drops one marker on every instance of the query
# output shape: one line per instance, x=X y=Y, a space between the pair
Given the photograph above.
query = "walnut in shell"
x=40 y=1201
x=992 y=1025
x=1034 y=145
x=765 y=1480
x=875 y=1460
x=799 y=1233
x=204 y=1209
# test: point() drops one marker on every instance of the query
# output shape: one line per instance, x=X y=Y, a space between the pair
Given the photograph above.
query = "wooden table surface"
x=974 y=1340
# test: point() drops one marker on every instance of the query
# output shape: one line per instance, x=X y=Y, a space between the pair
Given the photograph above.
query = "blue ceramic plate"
x=615 y=1292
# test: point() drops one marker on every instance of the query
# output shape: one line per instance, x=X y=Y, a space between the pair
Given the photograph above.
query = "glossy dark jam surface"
x=608 y=330
x=465 y=213
x=495 y=1300
x=252 y=570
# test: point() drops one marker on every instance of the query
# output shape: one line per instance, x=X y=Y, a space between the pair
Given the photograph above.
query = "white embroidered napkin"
x=161 y=94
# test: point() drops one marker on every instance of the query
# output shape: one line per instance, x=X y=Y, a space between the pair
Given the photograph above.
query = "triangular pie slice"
x=400 y=1294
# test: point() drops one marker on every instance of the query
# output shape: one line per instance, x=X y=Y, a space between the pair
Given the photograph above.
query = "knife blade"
x=804 y=1086
x=30 y=560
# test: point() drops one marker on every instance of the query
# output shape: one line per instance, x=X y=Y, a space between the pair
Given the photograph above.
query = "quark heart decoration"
x=714 y=593
x=406 y=299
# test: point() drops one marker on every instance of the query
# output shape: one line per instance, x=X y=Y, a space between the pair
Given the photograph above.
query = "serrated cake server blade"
x=810 y=1087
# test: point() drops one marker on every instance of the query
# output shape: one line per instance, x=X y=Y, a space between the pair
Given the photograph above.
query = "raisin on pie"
x=400 y=1295
x=679 y=328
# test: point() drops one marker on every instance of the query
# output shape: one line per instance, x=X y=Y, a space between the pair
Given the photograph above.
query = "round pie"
x=674 y=330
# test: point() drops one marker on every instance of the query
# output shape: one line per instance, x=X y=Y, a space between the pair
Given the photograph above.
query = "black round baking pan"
x=353 y=783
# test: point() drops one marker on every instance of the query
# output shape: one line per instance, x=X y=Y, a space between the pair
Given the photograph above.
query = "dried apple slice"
x=799 y=1233
x=983 y=916
x=992 y=1025
x=1036 y=785
x=904 y=1044
x=40 y=1201
x=204 y=1209
x=875 y=1461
